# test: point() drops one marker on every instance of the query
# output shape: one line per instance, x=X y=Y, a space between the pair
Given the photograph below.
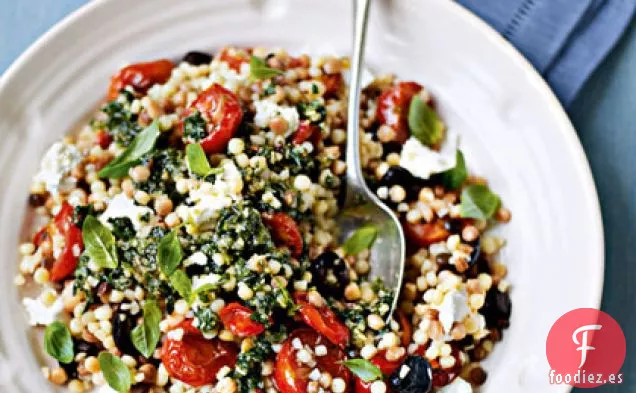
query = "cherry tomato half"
x=222 y=112
x=237 y=319
x=285 y=231
x=140 y=76
x=291 y=376
x=323 y=320
x=425 y=234
x=62 y=224
x=393 y=107
x=306 y=131
x=194 y=359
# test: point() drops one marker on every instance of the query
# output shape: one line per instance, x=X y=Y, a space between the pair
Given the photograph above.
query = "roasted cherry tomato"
x=425 y=234
x=237 y=319
x=285 y=231
x=444 y=376
x=194 y=359
x=222 y=112
x=62 y=225
x=291 y=376
x=140 y=76
x=234 y=57
x=306 y=132
x=323 y=320
x=405 y=326
x=103 y=139
x=334 y=84
x=393 y=107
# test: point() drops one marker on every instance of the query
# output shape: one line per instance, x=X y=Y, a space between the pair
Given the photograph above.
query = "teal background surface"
x=604 y=115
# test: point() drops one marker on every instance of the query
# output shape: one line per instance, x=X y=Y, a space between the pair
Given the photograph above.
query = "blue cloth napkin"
x=564 y=39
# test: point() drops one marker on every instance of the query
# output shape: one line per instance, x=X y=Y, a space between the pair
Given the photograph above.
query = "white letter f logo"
x=583 y=344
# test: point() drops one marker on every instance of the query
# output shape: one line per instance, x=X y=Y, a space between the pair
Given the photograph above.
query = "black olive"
x=36 y=200
x=396 y=175
x=417 y=380
x=122 y=326
x=89 y=349
x=321 y=269
x=195 y=270
x=454 y=225
x=197 y=58
x=70 y=368
x=497 y=308
x=391 y=147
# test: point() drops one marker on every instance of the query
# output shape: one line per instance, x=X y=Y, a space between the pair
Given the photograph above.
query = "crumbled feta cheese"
x=200 y=281
x=198 y=258
x=207 y=199
x=176 y=334
x=58 y=161
x=123 y=206
x=40 y=313
x=458 y=386
x=423 y=161
x=454 y=308
x=266 y=110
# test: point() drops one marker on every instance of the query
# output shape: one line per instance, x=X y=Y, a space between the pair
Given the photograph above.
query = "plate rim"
x=558 y=112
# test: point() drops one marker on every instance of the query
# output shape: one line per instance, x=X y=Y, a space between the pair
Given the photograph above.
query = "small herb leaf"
x=363 y=369
x=169 y=253
x=362 y=239
x=477 y=201
x=115 y=372
x=146 y=336
x=198 y=161
x=260 y=70
x=58 y=342
x=182 y=284
x=143 y=143
x=424 y=122
x=453 y=178
x=99 y=243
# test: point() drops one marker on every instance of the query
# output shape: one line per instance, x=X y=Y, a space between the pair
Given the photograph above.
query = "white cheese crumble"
x=58 y=161
x=176 y=334
x=423 y=161
x=199 y=281
x=208 y=199
x=198 y=258
x=458 y=386
x=454 y=308
x=123 y=206
x=40 y=313
x=266 y=110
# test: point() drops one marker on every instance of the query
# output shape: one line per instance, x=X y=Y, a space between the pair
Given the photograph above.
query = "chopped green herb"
x=477 y=201
x=260 y=70
x=362 y=239
x=194 y=127
x=453 y=178
x=424 y=122
x=363 y=369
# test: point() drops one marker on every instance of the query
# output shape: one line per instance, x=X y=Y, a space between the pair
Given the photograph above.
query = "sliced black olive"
x=454 y=225
x=497 y=308
x=36 y=200
x=323 y=267
x=70 y=368
x=122 y=326
x=396 y=175
x=197 y=58
x=416 y=378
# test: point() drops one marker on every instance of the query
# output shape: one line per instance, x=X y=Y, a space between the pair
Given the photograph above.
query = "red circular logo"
x=586 y=348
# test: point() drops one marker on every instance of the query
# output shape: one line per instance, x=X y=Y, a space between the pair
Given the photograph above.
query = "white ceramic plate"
x=513 y=131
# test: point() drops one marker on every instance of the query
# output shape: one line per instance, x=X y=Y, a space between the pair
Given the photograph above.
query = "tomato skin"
x=103 y=139
x=425 y=234
x=234 y=58
x=387 y=367
x=407 y=329
x=285 y=231
x=140 y=76
x=393 y=107
x=223 y=114
x=306 y=131
x=194 y=359
x=237 y=319
x=334 y=84
x=292 y=377
x=323 y=320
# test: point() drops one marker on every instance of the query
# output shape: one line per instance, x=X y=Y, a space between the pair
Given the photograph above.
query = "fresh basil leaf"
x=198 y=161
x=58 y=342
x=477 y=201
x=260 y=70
x=360 y=240
x=143 y=143
x=146 y=336
x=204 y=288
x=169 y=253
x=182 y=284
x=99 y=243
x=453 y=178
x=424 y=122
x=363 y=369
x=115 y=372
